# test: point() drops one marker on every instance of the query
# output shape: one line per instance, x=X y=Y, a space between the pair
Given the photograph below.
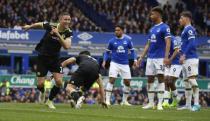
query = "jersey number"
x=162 y=67
x=61 y=69
x=189 y=68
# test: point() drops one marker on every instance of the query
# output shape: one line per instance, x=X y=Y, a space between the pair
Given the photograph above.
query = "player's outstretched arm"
x=101 y=92
x=107 y=53
x=68 y=61
x=35 y=25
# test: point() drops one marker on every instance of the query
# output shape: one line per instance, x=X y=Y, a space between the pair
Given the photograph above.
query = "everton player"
x=157 y=47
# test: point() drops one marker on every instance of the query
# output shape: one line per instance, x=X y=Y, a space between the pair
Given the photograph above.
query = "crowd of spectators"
x=134 y=14
x=136 y=97
x=15 y=13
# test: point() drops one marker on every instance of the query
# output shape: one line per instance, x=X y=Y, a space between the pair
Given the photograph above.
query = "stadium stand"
x=29 y=12
x=137 y=97
x=132 y=14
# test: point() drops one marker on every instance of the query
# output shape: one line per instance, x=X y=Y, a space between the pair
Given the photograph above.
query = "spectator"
x=16 y=12
x=133 y=14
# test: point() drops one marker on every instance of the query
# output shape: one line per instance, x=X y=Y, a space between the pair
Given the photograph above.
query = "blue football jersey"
x=120 y=49
x=188 y=37
x=157 y=36
x=175 y=43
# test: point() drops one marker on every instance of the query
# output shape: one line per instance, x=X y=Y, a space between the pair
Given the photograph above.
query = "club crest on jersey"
x=120 y=49
x=190 y=32
x=168 y=29
x=124 y=42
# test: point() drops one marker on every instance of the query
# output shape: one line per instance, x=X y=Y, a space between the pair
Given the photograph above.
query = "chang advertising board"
x=29 y=81
x=23 y=81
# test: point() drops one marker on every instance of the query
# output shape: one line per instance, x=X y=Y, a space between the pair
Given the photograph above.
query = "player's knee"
x=40 y=82
x=68 y=90
x=166 y=87
x=151 y=79
x=40 y=85
x=193 y=82
x=58 y=82
x=166 y=80
x=160 y=78
x=112 y=80
x=170 y=82
x=127 y=82
x=187 y=85
x=151 y=87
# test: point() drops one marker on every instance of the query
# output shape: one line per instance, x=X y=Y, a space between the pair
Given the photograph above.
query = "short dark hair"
x=63 y=14
x=158 y=9
x=187 y=14
x=120 y=26
x=85 y=52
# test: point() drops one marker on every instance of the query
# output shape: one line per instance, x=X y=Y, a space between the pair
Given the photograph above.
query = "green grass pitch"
x=37 y=112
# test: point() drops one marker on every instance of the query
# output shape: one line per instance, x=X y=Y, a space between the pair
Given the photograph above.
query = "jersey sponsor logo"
x=120 y=49
x=153 y=38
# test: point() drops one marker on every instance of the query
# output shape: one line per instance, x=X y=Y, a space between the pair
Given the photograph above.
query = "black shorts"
x=47 y=63
x=85 y=76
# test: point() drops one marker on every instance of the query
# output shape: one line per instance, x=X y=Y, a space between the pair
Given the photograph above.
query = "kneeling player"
x=172 y=73
x=83 y=78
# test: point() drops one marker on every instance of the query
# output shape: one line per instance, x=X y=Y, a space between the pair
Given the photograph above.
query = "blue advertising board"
x=20 y=35
x=79 y=37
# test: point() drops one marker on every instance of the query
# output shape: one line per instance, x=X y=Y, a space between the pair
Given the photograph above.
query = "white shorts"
x=154 y=66
x=122 y=70
x=190 y=68
x=173 y=71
